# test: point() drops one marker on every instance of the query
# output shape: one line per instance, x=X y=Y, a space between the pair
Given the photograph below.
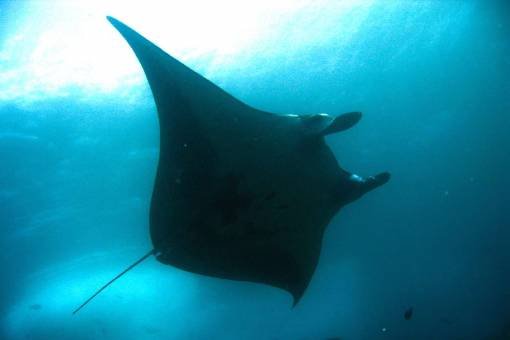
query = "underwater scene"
x=283 y=170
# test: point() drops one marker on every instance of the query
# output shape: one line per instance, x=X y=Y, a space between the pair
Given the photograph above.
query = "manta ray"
x=239 y=193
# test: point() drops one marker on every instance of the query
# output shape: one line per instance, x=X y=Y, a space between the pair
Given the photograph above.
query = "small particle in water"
x=408 y=313
x=384 y=329
x=35 y=306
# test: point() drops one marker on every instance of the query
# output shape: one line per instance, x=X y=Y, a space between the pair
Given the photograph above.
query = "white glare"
x=63 y=48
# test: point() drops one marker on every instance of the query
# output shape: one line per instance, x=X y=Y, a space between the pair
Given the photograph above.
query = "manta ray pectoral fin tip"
x=115 y=23
x=295 y=301
x=119 y=25
x=297 y=294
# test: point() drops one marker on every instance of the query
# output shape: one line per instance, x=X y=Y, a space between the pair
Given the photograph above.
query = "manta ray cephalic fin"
x=323 y=124
x=341 y=123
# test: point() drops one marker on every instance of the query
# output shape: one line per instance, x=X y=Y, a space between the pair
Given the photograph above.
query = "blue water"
x=78 y=157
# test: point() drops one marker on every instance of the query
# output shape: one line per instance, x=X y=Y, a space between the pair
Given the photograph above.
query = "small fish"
x=408 y=313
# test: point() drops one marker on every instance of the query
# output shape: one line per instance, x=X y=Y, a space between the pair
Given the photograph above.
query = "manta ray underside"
x=239 y=193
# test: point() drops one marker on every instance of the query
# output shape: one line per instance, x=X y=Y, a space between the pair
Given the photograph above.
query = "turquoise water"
x=79 y=145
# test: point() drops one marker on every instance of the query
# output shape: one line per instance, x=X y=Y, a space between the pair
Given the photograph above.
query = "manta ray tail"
x=153 y=251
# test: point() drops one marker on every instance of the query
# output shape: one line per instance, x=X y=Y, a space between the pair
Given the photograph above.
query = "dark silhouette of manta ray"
x=240 y=193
